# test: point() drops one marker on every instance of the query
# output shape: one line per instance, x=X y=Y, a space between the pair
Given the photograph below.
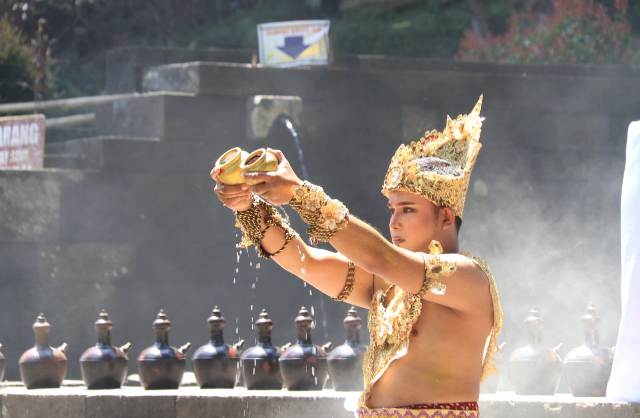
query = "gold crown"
x=438 y=166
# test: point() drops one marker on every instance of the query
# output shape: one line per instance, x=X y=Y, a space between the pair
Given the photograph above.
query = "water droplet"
x=313 y=311
x=251 y=307
x=253 y=286
x=258 y=266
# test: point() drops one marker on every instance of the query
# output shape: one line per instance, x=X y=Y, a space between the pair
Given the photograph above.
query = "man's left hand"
x=275 y=186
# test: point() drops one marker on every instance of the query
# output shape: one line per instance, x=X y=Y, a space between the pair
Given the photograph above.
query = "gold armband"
x=348 y=284
x=434 y=268
x=249 y=222
x=325 y=216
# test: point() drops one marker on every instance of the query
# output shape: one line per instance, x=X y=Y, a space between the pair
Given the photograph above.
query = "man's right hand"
x=235 y=197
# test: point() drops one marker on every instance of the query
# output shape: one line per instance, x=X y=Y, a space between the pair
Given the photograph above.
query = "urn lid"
x=162 y=321
x=263 y=319
x=41 y=324
x=264 y=325
x=591 y=318
x=103 y=322
x=216 y=320
x=352 y=320
x=534 y=318
x=304 y=318
x=533 y=323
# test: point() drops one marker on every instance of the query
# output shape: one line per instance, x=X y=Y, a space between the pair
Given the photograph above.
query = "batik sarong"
x=437 y=410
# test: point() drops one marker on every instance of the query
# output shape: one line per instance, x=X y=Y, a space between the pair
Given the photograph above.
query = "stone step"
x=244 y=80
x=173 y=117
x=455 y=89
x=126 y=65
x=64 y=161
x=135 y=154
x=61 y=134
x=103 y=153
x=70 y=402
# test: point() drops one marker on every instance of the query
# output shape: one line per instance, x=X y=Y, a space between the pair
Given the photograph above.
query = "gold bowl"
x=258 y=161
x=229 y=166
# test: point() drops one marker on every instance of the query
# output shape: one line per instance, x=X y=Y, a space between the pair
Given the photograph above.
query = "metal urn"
x=161 y=366
x=587 y=368
x=43 y=366
x=534 y=369
x=345 y=361
x=104 y=366
x=215 y=364
x=260 y=366
x=304 y=365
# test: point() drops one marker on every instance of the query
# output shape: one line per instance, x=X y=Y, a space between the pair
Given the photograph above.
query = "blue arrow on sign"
x=293 y=46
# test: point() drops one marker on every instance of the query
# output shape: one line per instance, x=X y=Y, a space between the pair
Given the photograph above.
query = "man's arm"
x=467 y=287
x=324 y=270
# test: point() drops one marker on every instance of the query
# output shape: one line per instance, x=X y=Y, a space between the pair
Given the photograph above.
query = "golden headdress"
x=438 y=166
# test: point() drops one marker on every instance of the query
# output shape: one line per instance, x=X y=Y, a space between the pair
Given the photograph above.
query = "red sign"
x=22 y=142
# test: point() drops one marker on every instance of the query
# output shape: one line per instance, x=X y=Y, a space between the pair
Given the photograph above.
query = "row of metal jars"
x=299 y=366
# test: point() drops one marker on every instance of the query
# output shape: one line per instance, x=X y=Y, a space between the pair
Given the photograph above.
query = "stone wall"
x=130 y=223
x=221 y=403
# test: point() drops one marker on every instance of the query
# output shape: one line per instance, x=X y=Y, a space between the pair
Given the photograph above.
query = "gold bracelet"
x=325 y=216
x=289 y=234
x=249 y=222
x=348 y=284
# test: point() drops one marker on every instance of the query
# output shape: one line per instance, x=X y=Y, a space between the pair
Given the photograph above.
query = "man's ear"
x=447 y=217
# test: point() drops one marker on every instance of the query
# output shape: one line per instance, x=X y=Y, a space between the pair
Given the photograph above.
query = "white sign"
x=295 y=43
x=22 y=142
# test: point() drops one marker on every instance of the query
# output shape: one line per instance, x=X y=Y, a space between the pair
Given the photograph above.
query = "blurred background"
x=123 y=216
x=80 y=32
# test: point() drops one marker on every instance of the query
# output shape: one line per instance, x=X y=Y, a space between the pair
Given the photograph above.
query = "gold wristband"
x=348 y=284
x=325 y=216
x=249 y=222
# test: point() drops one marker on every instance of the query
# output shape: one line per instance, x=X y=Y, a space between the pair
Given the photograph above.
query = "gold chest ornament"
x=390 y=326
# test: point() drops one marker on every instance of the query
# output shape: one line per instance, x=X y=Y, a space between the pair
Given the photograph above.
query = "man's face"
x=413 y=221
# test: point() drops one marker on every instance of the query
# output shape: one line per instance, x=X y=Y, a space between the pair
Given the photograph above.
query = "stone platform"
x=192 y=402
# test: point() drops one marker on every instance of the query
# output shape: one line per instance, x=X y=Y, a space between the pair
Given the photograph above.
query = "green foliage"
x=81 y=31
x=578 y=32
x=238 y=28
x=17 y=64
x=429 y=30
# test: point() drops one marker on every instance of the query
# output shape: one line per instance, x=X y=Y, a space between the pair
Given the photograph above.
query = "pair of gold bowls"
x=234 y=163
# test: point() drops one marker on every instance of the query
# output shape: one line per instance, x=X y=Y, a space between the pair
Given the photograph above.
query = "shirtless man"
x=434 y=314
